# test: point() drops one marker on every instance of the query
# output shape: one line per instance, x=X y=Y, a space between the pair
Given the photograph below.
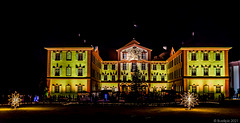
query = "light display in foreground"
x=14 y=99
x=189 y=100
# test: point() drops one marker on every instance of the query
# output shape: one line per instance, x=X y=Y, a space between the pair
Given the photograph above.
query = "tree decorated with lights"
x=189 y=100
x=14 y=99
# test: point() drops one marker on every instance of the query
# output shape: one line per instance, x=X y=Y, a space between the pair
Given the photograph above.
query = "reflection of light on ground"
x=181 y=109
x=27 y=109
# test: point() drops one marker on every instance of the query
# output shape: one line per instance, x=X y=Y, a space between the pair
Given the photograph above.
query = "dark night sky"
x=30 y=28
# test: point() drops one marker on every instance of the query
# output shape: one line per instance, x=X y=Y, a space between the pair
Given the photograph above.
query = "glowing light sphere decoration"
x=14 y=99
x=189 y=100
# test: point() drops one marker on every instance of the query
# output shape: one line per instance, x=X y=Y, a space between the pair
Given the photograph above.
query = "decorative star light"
x=14 y=99
x=189 y=100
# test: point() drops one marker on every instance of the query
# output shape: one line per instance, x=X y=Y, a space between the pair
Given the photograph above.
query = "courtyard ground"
x=229 y=112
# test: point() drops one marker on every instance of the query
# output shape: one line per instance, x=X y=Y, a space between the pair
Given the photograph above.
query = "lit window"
x=80 y=56
x=205 y=56
x=105 y=77
x=193 y=56
x=217 y=71
x=162 y=67
x=205 y=89
x=80 y=88
x=162 y=77
x=124 y=66
x=194 y=71
x=143 y=55
x=68 y=88
x=143 y=66
x=218 y=89
x=57 y=56
x=113 y=77
x=105 y=67
x=205 y=71
x=134 y=67
x=113 y=67
x=194 y=89
x=57 y=88
x=124 y=78
x=217 y=56
x=80 y=71
x=143 y=78
x=154 y=78
x=154 y=67
x=69 y=56
x=69 y=71
x=57 y=71
x=124 y=55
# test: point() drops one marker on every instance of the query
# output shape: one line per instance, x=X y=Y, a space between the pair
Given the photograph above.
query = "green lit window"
x=69 y=56
x=68 y=88
x=205 y=88
x=69 y=71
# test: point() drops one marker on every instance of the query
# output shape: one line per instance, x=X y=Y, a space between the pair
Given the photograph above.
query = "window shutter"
x=53 y=88
x=197 y=89
x=215 y=71
x=83 y=71
x=196 y=71
x=221 y=72
x=84 y=54
x=221 y=55
x=190 y=71
x=76 y=55
x=60 y=55
x=189 y=56
x=76 y=71
x=214 y=56
x=190 y=88
x=209 y=56
x=197 y=56
x=53 y=71
x=53 y=55
x=60 y=71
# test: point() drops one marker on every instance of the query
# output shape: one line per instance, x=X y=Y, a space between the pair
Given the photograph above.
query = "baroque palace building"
x=74 y=70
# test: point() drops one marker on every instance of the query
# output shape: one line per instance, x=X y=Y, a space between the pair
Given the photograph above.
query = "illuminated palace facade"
x=74 y=70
